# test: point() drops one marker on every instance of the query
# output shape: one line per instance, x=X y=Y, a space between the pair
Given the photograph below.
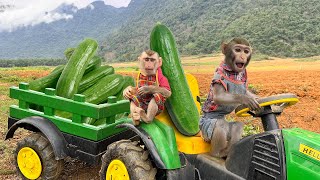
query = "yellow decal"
x=309 y=152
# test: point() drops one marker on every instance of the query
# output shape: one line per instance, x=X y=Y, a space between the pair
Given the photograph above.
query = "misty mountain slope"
x=278 y=28
x=50 y=40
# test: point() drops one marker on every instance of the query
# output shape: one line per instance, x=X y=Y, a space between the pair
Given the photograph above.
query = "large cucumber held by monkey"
x=180 y=105
x=72 y=74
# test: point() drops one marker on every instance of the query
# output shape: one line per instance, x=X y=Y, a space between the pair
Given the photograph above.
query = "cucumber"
x=94 y=76
x=68 y=52
x=180 y=105
x=48 y=81
x=94 y=63
x=105 y=87
x=71 y=76
x=128 y=81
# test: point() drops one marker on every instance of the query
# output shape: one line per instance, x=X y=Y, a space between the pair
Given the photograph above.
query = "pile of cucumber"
x=84 y=74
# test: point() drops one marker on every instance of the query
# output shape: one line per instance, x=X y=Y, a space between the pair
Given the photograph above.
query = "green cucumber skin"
x=105 y=87
x=48 y=81
x=128 y=81
x=94 y=63
x=94 y=76
x=180 y=104
x=68 y=52
x=71 y=76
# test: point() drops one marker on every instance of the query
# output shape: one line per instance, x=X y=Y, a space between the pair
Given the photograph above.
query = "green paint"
x=302 y=163
x=165 y=141
x=78 y=109
x=68 y=105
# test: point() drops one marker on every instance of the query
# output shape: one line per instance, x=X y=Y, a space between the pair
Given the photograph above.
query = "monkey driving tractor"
x=227 y=90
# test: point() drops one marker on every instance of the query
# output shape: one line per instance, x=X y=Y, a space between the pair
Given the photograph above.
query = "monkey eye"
x=238 y=50
x=149 y=59
x=246 y=51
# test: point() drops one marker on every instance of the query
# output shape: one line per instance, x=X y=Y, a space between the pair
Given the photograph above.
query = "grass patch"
x=255 y=88
x=309 y=59
x=198 y=63
x=260 y=57
x=28 y=68
x=129 y=68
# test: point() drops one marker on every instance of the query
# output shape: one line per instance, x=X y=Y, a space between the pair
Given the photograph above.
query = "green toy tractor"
x=274 y=154
x=156 y=150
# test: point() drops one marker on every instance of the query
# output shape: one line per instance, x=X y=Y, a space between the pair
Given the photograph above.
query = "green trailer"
x=62 y=136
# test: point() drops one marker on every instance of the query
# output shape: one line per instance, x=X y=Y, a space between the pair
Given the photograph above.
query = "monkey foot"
x=136 y=116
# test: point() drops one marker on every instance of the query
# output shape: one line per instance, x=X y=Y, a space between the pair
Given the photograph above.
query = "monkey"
x=227 y=90
x=152 y=89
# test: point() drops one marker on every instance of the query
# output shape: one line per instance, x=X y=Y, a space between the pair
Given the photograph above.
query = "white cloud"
x=32 y=12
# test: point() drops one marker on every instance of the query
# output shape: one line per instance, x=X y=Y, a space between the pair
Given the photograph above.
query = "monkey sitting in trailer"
x=227 y=90
x=148 y=97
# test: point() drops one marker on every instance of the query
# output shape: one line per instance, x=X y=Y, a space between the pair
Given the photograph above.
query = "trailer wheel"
x=126 y=160
x=34 y=158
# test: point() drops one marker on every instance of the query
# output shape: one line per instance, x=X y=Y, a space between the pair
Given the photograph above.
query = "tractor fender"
x=45 y=126
x=147 y=142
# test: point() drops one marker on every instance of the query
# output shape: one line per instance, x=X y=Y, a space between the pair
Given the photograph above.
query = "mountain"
x=288 y=28
x=50 y=40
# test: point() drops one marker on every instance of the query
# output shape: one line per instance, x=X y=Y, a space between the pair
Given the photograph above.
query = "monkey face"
x=241 y=55
x=149 y=64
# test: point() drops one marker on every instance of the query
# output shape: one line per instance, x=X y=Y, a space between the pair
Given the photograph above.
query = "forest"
x=278 y=28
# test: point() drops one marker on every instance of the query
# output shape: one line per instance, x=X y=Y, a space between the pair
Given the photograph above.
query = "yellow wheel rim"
x=289 y=101
x=29 y=163
x=117 y=171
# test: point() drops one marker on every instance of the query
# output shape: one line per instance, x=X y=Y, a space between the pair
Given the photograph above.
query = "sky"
x=21 y=13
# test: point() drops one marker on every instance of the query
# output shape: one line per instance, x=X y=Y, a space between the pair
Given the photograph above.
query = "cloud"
x=20 y=13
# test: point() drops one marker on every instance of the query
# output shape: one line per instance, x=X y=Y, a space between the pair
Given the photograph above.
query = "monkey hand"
x=251 y=102
x=128 y=92
x=145 y=90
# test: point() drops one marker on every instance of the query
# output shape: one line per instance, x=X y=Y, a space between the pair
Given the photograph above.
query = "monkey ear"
x=224 y=48
x=160 y=61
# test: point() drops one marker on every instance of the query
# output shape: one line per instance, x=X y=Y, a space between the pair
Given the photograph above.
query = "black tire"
x=51 y=168
x=135 y=159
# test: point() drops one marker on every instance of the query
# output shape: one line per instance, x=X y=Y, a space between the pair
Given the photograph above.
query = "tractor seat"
x=186 y=144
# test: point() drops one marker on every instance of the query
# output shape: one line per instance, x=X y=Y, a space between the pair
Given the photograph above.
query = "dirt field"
x=270 y=77
x=267 y=77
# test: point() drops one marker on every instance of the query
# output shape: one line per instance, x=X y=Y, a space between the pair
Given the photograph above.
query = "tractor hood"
x=302 y=149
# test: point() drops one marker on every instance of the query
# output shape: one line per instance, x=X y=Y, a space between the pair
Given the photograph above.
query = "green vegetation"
x=31 y=62
x=250 y=129
x=286 y=28
x=309 y=59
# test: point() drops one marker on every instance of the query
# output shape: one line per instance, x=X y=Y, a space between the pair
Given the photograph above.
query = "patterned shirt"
x=233 y=82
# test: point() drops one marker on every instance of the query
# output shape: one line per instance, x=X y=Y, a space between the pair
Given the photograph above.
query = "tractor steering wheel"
x=277 y=103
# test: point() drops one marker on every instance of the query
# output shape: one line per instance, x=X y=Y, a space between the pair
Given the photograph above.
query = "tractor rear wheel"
x=126 y=160
x=34 y=158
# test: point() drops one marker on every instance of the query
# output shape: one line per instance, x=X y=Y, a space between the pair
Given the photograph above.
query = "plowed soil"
x=269 y=77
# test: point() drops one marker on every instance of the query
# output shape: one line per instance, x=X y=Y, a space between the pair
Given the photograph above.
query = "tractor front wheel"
x=126 y=160
x=35 y=159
